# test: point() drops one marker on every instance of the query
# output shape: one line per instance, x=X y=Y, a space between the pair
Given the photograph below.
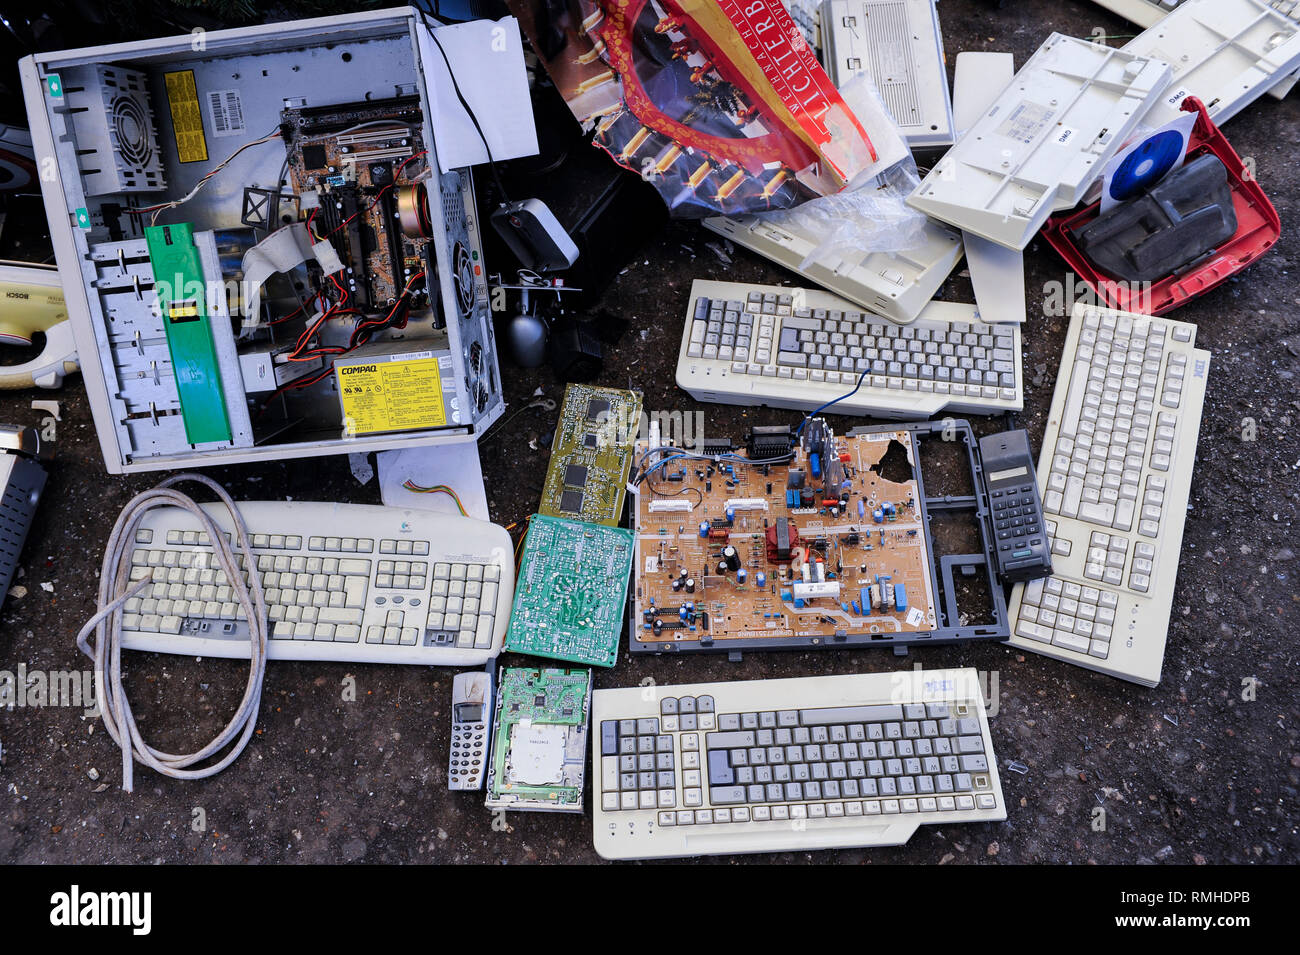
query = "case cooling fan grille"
x=131 y=131
x=463 y=275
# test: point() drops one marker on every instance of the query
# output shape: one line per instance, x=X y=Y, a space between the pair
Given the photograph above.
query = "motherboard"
x=357 y=169
x=539 y=740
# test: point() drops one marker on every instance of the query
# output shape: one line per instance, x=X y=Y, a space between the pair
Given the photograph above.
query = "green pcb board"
x=591 y=455
x=182 y=300
x=571 y=591
x=539 y=739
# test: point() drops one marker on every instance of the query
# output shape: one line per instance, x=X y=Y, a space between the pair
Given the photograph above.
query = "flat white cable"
x=116 y=588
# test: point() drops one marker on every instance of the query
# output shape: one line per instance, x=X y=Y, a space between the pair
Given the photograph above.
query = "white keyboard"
x=1147 y=13
x=800 y=348
x=1227 y=53
x=1115 y=473
x=900 y=46
x=790 y=765
x=346 y=582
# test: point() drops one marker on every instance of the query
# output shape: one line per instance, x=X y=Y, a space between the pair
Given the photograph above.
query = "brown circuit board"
x=853 y=517
x=354 y=168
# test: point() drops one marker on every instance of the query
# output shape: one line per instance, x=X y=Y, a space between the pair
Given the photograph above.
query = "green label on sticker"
x=83 y=217
x=54 y=85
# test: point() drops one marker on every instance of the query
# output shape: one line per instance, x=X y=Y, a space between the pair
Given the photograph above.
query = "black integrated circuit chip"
x=589 y=440
x=571 y=502
x=597 y=407
x=575 y=475
x=313 y=157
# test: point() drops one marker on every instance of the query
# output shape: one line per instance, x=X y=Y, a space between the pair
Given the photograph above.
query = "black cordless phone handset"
x=1020 y=533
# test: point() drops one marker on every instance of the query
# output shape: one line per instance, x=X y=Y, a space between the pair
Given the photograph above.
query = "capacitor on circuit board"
x=741 y=575
x=731 y=556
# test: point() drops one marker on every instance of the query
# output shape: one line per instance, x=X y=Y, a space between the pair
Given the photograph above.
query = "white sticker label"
x=914 y=616
x=226 y=112
x=1063 y=135
x=1026 y=121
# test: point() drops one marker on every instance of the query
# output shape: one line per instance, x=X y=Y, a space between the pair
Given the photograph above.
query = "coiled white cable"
x=116 y=588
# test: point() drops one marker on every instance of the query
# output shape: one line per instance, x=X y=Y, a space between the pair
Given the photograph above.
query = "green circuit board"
x=539 y=739
x=570 y=592
x=591 y=455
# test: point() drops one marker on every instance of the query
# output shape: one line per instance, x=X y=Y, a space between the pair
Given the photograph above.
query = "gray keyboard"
x=799 y=348
x=774 y=765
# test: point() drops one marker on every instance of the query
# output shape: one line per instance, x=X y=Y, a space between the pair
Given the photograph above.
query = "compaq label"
x=358 y=369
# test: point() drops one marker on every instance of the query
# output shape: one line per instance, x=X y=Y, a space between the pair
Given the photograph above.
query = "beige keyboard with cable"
x=1115 y=472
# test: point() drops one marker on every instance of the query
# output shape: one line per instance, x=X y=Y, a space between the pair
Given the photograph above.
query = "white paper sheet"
x=455 y=465
x=487 y=57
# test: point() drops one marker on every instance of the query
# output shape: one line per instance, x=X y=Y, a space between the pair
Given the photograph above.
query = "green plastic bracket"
x=182 y=299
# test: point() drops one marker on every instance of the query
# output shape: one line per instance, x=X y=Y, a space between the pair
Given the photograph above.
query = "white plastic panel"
x=898 y=42
x=1227 y=53
x=1043 y=141
x=997 y=274
x=897 y=285
x=978 y=78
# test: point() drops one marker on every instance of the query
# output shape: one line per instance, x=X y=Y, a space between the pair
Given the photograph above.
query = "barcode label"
x=226 y=112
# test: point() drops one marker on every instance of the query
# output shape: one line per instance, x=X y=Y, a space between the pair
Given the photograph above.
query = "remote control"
x=471 y=708
x=1019 y=529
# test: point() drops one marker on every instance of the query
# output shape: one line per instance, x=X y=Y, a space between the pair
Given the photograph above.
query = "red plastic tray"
x=1258 y=227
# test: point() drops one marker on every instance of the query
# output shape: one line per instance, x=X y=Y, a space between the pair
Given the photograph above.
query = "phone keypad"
x=468 y=756
x=1017 y=519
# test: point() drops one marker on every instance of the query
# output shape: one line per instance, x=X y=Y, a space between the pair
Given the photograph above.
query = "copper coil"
x=413 y=210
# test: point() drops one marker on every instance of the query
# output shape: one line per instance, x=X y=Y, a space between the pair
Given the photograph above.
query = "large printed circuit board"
x=569 y=593
x=539 y=740
x=829 y=544
x=591 y=455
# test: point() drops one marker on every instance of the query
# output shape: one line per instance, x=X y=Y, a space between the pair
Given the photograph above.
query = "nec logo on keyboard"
x=1199 y=368
x=940 y=686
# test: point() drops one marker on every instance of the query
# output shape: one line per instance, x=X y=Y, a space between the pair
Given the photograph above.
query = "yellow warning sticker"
x=187 y=120
x=398 y=394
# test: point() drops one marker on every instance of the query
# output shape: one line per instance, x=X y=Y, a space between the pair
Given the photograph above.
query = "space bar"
x=892 y=832
x=850 y=714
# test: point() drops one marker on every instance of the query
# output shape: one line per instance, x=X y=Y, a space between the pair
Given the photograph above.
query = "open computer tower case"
x=108 y=135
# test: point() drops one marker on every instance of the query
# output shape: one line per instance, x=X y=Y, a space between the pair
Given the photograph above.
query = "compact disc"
x=1146 y=164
